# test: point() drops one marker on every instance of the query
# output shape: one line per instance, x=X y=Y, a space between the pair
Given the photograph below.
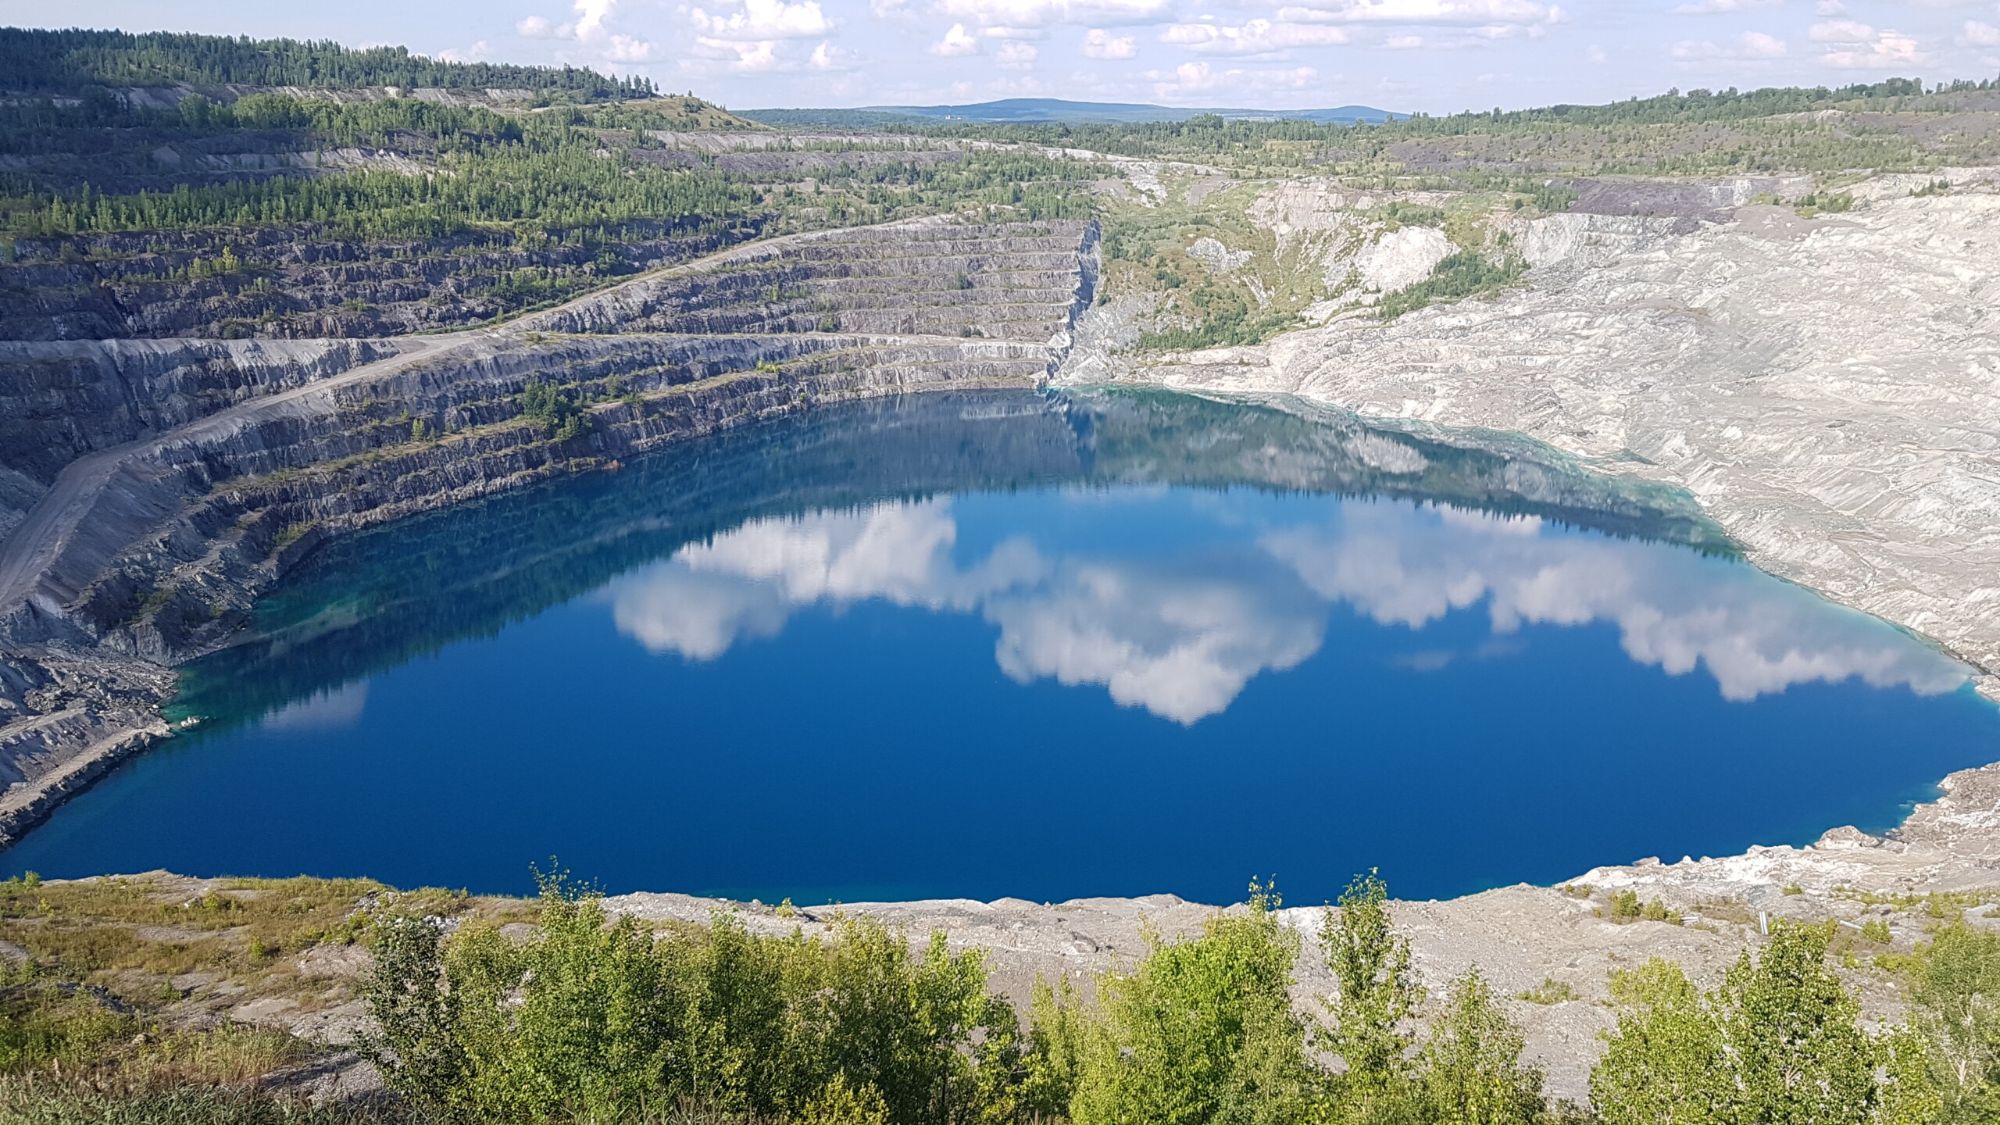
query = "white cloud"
x=1404 y=42
x=1199 y=77
x=1422 y=11
x=761 y=20
x=1101 y=44
x=1181 y=647
x=1596 y=55
x=741 y=56
x=1885 y=50
x=1978 y=34
x=1830 y=8
x=471 y=54
x=1256 y=37
x=1673 y=610
x=957 y=42
x=828 y=56
x=1046 y=13
x=1751 y=46
x=1015 y=55
x=625 y=48
x=1720 y=7
x=1182 y=639
x=590 y=29
x=590 y=17
x=1840 y=31
x=748 y=582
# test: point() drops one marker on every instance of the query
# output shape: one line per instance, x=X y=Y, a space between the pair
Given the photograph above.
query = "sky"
x=1434 y=56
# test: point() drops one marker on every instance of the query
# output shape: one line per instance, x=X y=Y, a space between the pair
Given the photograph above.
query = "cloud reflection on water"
x=1181 y=635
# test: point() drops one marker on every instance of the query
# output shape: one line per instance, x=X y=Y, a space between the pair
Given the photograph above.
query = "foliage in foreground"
x=595 y=1020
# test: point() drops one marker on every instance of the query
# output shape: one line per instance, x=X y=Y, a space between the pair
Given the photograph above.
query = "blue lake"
x=990 y=645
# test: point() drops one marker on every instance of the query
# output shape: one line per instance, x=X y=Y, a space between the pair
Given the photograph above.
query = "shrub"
x=599 y=1019
x=1778 y=1042
x=1470 y=1067
x=1550 y=991
x=1202 y=1031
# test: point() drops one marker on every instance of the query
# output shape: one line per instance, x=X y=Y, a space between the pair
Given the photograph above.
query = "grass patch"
x=1626 y=906
x=1550 y=991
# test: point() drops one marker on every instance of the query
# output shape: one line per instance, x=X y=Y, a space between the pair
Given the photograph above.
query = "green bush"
x=1203 y=1031
x=598 y=1020
x=1779 y=1041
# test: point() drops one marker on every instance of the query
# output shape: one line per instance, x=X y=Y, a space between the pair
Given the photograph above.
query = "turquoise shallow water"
x=990 y=645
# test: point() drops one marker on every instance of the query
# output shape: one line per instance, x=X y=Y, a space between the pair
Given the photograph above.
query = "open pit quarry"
x=1826 y=387
x=154 y=486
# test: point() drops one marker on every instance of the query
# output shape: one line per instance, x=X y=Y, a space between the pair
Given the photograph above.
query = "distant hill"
x=1054 y=111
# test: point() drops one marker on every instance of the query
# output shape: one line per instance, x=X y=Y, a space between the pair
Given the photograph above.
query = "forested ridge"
x=1696 y=132
x=71 y=59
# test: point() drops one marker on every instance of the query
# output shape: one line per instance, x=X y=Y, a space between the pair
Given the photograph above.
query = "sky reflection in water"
x=1181 y=635
x=1005 y=645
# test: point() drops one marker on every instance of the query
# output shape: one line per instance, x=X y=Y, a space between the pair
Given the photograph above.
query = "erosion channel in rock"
x=1002 y=643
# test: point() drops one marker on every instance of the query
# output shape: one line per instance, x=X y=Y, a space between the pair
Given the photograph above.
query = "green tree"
x=1777 y=1044
x=1059 y=1040
x=1955 y=1012
x=1470 y=1066
x=1202 y=1032
x=1664 y=1064
x=1799 y=1056
x=1910 y=1095
x=416 y=1042
x=1371 y=964
x=839 y=1103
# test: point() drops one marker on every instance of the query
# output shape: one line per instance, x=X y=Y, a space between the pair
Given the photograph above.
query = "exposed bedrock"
x=62 y=399
x=1827 y=388
x=155 y=487
x=301 y=281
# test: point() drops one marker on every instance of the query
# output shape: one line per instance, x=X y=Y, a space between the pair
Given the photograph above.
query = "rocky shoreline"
x=1942 y=863
x=1549 y=952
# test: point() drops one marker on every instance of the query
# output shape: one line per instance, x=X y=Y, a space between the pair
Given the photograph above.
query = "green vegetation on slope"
x=489 y=168
x=579 y=167
x=586 y=1018
x=1463 y=274
x=71 y=59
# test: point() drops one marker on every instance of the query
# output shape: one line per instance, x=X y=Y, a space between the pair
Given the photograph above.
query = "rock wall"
x=171 y=481
x=301 y=281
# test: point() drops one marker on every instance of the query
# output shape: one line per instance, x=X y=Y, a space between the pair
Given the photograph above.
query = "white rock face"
x=1213 y=254
x=1591 y=240
x=1402 y=258
x=1829 y=389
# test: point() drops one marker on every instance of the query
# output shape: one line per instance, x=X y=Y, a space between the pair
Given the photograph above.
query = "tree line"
x=595 y=1019
x=70 y=59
